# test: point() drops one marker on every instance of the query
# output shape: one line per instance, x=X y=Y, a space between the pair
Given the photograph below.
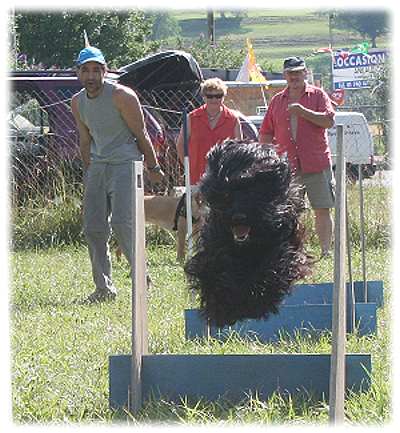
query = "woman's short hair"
x=213 y=84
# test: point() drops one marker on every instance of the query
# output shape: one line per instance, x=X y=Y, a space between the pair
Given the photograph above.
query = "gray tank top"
x=112 y=141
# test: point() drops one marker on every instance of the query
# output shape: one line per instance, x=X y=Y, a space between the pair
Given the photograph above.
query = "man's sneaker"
x=100 y=296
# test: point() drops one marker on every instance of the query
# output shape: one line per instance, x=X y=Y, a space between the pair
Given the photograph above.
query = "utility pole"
x=211 y=27
x=330 y=24
x=331 y=16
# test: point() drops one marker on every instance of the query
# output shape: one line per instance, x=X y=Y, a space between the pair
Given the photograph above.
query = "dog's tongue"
x=240 y=232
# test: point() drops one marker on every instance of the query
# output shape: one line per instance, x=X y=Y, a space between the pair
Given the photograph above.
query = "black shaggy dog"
x=250 y=249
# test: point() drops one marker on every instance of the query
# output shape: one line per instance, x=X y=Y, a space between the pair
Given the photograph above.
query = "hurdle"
x=308 y=309
x=140 y=376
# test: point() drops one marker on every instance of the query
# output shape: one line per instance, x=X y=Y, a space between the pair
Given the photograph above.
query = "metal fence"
x=44 y=142
x=167 y=106
x=43 y=137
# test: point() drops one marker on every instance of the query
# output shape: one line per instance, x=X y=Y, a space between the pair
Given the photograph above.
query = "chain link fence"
x=42 y=142
x=167 y=107
x=43 y=138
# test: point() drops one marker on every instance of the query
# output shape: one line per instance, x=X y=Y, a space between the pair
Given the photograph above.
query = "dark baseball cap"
x=294 y=64
x=90 y=54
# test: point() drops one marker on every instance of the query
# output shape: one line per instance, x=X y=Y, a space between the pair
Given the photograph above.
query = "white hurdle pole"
x=337 y=371
x=186 y=163
x=139 y=298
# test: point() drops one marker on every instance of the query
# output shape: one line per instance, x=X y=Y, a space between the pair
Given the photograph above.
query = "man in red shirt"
x=296 y=122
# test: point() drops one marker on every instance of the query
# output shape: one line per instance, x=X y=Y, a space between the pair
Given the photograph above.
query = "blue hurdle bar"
x=290 y=320
x=308 y=309
x=321 y=293
x=232 y=376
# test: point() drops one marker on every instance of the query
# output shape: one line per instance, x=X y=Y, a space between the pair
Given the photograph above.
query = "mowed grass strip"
x=60 y=348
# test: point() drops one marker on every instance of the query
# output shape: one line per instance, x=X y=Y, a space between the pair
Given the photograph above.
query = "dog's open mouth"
x=240 y=233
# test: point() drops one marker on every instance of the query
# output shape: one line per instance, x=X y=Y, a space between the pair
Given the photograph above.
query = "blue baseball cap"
x=90 y=54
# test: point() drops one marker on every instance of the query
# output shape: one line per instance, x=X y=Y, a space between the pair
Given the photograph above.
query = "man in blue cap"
x=112 y=134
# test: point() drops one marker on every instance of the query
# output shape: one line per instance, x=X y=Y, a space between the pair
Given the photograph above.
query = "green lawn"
x=275 y=33
x=60 y=349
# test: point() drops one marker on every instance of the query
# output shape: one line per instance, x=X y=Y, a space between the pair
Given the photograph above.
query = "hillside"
x=275 y=34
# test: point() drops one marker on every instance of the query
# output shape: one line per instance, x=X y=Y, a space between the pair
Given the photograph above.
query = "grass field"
x=275 y=33
x=60 y=348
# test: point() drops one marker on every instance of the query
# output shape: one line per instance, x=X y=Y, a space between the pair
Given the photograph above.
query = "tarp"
x=169 y=80
x=164 y=70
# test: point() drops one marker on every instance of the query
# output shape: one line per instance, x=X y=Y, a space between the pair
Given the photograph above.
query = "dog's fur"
x=160 y=210
x=250 y=248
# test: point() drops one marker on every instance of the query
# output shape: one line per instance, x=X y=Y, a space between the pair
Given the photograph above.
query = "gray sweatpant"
x=107 y=206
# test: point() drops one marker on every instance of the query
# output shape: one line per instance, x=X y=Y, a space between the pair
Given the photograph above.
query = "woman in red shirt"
x=208 y=125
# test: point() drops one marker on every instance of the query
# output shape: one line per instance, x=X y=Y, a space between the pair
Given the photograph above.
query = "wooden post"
x=350 y=271
x=362 y=233
x=211 y=27
x=139 y=299
x=337 y=371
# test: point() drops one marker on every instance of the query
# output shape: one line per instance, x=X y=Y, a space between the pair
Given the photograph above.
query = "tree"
x=219 y=56
x=369 y=24
x=237 y=13
x=382 y=95
x=58 y=36
x=164 y=26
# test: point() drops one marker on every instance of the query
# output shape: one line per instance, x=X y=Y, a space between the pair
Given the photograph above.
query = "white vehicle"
x=357 y=140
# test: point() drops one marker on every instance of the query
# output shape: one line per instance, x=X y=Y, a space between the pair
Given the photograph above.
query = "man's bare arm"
x=85 y=139
x=128 y=104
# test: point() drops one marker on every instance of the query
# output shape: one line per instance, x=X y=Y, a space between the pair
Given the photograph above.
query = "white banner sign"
x=355 y=70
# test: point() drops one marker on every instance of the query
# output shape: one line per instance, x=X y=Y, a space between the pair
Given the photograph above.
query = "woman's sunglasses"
x=216 y=96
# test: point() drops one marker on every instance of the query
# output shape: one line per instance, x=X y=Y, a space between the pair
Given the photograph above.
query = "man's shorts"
x=320 y=188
